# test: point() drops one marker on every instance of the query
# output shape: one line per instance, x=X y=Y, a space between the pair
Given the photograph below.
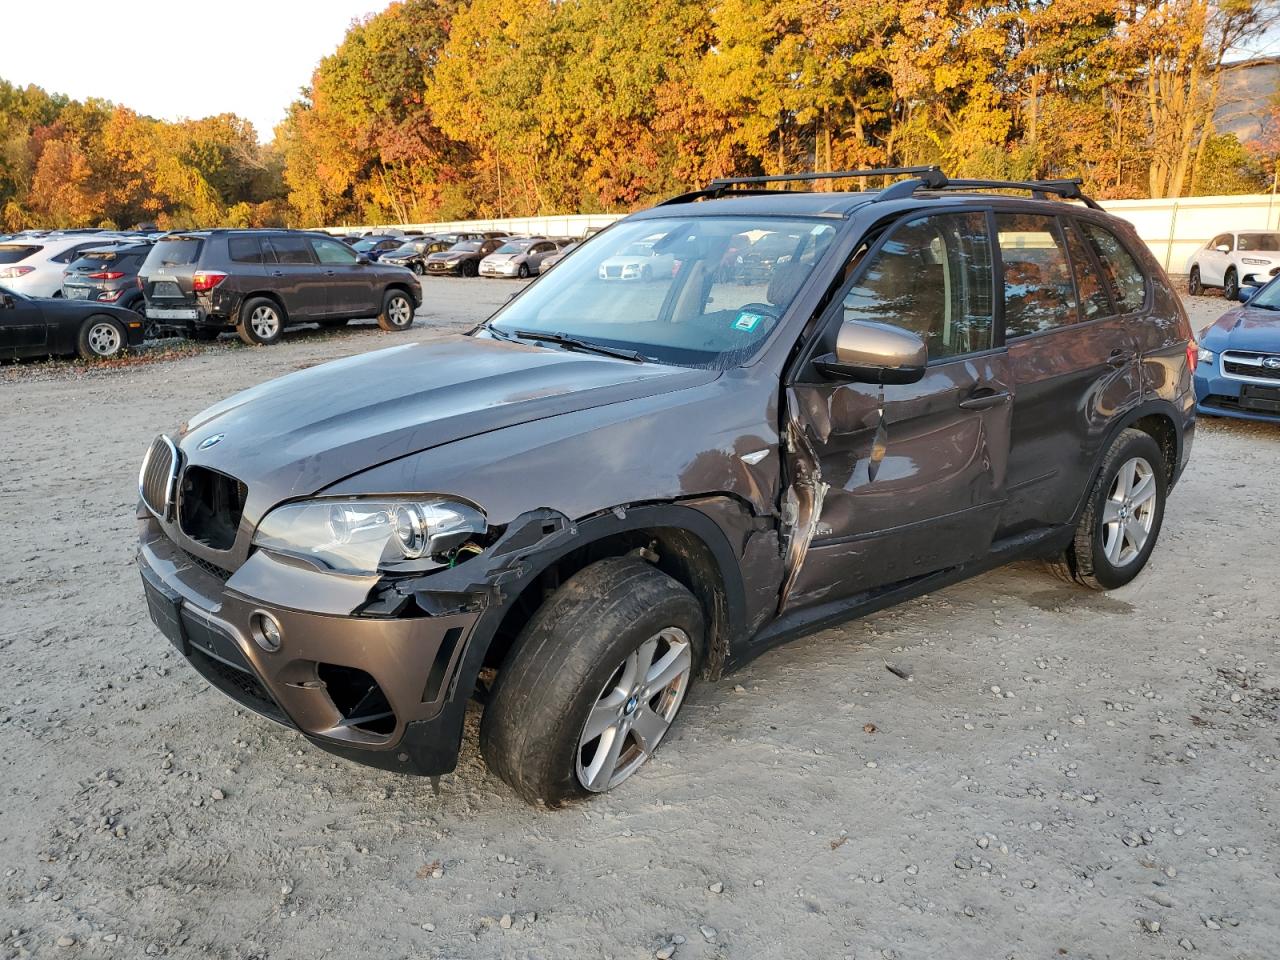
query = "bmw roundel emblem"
x=208 y=442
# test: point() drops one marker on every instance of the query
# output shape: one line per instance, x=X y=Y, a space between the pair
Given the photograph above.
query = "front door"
x=891 y=483
x=352 y=291
x=23 y=331
x=1214 y=261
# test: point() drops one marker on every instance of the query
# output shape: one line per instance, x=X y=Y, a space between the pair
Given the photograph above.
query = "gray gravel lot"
x=1066 y=774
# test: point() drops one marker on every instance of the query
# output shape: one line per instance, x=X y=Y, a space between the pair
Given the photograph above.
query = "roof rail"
x=920 y=178
x=931 y=176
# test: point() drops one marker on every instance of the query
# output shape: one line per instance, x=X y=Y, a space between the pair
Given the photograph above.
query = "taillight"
x=106 y=275
x=202 y=281
x=11 y=273
x=110 y=296
x=1193 y=355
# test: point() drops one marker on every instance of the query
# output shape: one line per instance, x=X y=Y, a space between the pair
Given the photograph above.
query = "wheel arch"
x=265 y=295
x=1157 y=418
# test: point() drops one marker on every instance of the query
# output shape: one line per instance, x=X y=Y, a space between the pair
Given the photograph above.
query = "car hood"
x=1244 y=328
x=450 y=255
x=294 y=436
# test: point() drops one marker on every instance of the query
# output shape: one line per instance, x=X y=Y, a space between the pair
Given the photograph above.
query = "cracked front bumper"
x=413 y=660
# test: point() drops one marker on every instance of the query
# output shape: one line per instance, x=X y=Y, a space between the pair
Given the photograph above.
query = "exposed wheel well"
x=1163 y=431
x=264 y=295
x=680 y=554
x=402 y=288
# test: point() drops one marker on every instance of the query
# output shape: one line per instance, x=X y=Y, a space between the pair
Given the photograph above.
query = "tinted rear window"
x=1128 y=284
x=13 y=252
x=245 y=250
x=290 y=249
x=177 y=251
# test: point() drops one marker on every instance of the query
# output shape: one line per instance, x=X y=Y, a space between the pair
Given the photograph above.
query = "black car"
x=413 y=253
x=257 y=282
x=463 y=258
x=48 y=327
x=108 y=276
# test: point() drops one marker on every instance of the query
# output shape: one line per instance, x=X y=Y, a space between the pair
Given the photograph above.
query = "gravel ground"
x=1065 y=774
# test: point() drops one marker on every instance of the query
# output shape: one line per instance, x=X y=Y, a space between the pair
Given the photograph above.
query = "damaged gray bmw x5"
x=795 y=408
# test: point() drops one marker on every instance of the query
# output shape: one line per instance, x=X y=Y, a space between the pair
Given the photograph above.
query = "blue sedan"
x=1238 y=374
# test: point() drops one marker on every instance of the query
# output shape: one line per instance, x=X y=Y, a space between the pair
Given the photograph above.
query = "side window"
x=1039 y=293
x=1221 y=240
x=290 y=249
x=932 y=276
x=1094 y=302
x=332 y=252
x=245 y=249
x=1127 y=281
x=74 y=253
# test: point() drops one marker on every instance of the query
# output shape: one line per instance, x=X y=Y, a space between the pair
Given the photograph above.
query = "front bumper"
x=314 y=681
x=507 y=269
x=1219 y=396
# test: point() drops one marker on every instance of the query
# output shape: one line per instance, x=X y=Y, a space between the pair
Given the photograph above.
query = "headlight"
x=1205 y=356
x=452 y=263
x=1255 y=260
x=365 y=536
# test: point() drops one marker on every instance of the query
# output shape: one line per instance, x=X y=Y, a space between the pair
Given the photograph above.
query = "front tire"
x=418 y=268
x=1122 y=519
x=101 y=338
x=1194 y=286
x=523 y=272
x=261 y=322
x=397 y=311
x=593 y=682
x=1231 y=284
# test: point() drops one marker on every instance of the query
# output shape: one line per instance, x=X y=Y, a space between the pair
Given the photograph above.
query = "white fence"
x=1173 y=229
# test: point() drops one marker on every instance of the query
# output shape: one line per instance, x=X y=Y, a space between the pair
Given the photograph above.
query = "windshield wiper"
x=574 y=343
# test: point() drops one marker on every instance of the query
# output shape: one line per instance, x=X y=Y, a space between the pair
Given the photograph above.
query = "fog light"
x=266 y=632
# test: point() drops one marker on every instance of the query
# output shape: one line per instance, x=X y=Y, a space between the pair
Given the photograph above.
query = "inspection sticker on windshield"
x=747 y=322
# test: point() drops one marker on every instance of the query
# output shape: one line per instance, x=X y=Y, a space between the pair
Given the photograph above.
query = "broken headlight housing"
x=371 y=536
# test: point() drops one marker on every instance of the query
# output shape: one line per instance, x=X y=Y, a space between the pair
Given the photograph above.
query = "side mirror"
x=363 y=259
x=1223 y=248
x=1246 y=292
x=875 y=353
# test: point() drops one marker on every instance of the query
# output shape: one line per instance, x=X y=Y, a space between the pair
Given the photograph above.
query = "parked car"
x=374 y=247
x=564 y=250
x=109 y=276
x=1232 y=259
x=641 y=260
x=48 y=327
x=463 y=258
x=34 y=265
x=608 y=490
x=414 y=253
x=257 y=282
x=518 y=257
x=1239 y=370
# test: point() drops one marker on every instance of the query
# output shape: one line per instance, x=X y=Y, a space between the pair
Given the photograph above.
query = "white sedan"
x=1230 y=259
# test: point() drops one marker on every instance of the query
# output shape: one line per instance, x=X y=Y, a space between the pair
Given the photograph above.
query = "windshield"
x=519 y=246
x=467 y=246
x=1268 y=298
x=1258 y=241
x=689 y=301
x=367 y=244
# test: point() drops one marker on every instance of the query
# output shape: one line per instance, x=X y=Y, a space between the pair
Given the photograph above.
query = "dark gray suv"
x=614 y=486
x=258 y=282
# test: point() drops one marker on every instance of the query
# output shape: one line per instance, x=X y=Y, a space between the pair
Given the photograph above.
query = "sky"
x=178 y=58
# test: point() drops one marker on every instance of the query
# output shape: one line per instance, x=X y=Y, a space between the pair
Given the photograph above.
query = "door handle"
x=277 y=273
x=984 y=398
x=328 y=273
x=1119 y=358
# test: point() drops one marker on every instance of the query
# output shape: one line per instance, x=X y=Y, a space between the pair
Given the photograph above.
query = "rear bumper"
x=378 y=690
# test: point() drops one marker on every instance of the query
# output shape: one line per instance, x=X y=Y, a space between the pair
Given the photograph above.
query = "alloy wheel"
x=399 y=311
x=634 y=710
x=104 y=339
x=264 y=322
x=1128 y=512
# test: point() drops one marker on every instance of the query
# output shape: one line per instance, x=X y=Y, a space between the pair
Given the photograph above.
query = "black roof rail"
x=1040 y=189
x=930 y=176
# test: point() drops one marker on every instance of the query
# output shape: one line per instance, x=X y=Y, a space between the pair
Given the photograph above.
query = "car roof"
x=774 y=204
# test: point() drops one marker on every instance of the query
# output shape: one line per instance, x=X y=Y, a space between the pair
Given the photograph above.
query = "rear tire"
x=1231 y=284
x=397 y=311
x=261 y=322
x=101 y=338
x=470 y=269
x=1121 y=521
x=581 y=660
x=418 y=268
x=1194 y=286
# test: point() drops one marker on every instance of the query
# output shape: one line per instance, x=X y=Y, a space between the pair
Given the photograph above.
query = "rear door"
x=1073 y=360
x=297 y=277
x=352 y=291
x=23 y=331
x=904 y=480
